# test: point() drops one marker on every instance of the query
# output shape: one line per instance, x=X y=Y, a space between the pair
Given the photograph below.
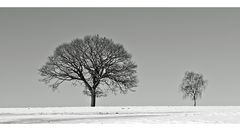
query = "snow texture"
x=121 y=115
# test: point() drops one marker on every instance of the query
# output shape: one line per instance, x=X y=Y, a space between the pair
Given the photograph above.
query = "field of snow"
x=121 y=115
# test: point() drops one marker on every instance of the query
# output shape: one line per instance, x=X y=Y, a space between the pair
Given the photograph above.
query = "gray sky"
x=164 y=42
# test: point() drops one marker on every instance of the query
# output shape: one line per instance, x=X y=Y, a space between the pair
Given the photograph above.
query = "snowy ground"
x=121 y=115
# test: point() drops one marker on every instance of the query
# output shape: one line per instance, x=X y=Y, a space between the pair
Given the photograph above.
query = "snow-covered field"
x=120 y=115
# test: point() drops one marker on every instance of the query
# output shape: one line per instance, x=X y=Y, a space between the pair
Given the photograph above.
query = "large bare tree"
x=193 y=85
x=96 y=63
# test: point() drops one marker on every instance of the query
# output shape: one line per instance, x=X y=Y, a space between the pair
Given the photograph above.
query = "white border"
x=120 y=127
x=119 y=3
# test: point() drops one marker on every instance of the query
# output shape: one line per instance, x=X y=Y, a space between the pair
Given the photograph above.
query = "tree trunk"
x=194 y=99
x=93 y=100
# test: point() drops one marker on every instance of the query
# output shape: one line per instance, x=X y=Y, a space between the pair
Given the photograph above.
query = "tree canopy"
x=96 y=63
x=193 y=85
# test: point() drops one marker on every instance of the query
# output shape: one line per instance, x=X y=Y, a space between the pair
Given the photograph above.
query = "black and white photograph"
x=126 y=65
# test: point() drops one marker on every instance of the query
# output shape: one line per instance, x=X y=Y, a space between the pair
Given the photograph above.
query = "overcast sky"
x=164 y=42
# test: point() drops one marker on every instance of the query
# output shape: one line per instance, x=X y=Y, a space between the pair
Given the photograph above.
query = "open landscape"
x=119 y=66
x=122 y=115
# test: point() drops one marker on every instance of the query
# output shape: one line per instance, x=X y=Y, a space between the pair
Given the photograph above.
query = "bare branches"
x=98 y=62
x=193 y=85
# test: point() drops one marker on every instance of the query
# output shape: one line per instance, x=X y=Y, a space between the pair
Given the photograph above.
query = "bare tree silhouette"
x=193 y=85
x=96 y=63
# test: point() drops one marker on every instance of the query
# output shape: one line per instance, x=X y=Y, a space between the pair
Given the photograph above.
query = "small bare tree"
x=95 y=62
x=193 y=85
